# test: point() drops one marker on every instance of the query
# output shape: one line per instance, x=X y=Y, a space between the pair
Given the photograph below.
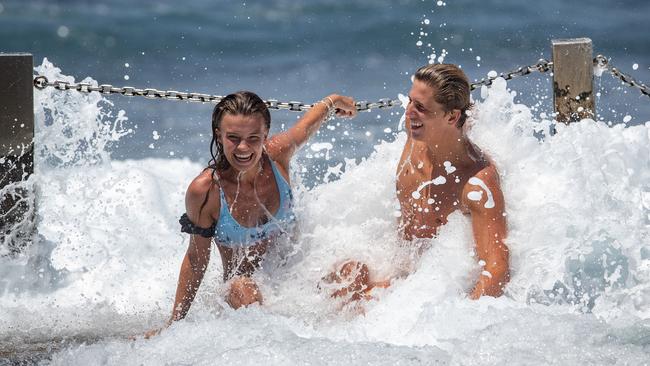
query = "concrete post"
x=573 y=79
x=16 y=149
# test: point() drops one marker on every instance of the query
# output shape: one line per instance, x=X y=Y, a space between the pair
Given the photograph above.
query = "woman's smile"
x=244 y=158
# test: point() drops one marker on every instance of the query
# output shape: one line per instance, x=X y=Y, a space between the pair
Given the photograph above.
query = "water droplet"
x=63 y=31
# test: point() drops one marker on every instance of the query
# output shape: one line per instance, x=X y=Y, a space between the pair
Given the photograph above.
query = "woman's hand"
x=153 y=332
x=148 y=334
x=282 y=146
x=345 y=106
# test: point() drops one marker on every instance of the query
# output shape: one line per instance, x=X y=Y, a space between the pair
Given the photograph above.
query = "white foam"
x=478 y=182
x=448 y=167
x=108 y=265
x=475 y=195
x=320 y=146
x=439 y=180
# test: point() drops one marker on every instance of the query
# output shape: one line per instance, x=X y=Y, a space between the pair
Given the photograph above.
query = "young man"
x=441 y=171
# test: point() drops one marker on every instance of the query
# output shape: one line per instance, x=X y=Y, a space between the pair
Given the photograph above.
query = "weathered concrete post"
x=16 y=149
x=573 y=75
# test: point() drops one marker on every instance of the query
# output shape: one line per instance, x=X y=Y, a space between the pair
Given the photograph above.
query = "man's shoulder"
x=487 y=173
x=483 y=189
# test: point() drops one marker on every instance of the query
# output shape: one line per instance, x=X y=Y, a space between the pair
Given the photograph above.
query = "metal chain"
x=542 y=66
x=41 y=82
x=603 y=62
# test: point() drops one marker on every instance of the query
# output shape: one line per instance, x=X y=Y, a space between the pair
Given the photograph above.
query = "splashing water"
x=74 y=128
x=106 y=264
x=478 y=182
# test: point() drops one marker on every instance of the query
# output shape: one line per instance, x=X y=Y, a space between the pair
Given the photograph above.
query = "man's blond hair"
x=450 y=86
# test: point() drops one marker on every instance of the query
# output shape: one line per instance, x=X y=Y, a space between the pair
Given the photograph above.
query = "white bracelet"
x=331 y=102
x=331 y=110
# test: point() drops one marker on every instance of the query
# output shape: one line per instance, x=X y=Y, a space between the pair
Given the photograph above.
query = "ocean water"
x=305 y=50
x=104 y=264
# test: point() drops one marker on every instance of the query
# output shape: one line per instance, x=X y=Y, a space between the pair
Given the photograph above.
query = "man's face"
x=424 y=116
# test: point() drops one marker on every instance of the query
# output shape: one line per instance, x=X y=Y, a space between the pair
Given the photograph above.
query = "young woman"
x=243 y=200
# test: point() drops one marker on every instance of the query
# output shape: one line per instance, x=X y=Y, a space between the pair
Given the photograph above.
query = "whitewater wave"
x=104 y=266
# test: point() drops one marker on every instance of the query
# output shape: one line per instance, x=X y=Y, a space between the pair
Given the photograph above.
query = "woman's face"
x=243 y=139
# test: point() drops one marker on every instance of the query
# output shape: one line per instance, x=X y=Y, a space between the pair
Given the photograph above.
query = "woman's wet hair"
x=450 y=85
x=242 y=103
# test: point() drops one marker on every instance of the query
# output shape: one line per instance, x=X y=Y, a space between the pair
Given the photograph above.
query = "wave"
x=108 y=249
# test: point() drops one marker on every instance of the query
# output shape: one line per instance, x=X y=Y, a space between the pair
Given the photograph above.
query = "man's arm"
x=483 y=195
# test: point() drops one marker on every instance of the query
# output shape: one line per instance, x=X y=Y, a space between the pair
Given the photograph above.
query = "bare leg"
x=243 y=292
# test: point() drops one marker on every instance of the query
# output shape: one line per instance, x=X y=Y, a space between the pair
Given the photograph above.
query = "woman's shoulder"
x=278 y=155
x=279 y=150
x=202 y=183
x=203 y=193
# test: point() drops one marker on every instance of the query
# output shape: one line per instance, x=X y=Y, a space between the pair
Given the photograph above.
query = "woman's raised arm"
x=282 y=146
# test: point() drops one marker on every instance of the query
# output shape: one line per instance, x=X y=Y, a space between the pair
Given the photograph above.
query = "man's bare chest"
x=426 y=199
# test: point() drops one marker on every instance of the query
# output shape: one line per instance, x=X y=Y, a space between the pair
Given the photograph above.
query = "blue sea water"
x=304 y=50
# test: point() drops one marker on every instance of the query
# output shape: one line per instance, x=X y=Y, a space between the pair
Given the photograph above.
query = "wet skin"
x=435 y=143
x=252 y=196
x=434 y=139
x=423 y=213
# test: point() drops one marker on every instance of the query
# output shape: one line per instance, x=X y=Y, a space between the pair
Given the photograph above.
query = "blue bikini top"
x=231 y=234
x=228 y=232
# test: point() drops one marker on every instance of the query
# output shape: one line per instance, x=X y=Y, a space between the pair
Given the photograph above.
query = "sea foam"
x=109 y=249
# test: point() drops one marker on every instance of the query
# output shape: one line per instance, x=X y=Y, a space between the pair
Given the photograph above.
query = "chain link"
x=541 y=66
x=41 y=82
x=602 y=62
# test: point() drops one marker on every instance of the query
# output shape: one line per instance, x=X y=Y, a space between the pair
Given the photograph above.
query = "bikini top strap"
x=279 y=178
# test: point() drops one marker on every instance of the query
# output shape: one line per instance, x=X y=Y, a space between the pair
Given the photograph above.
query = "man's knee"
x=243 y=292
x=353 y=275
x=356 y=274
